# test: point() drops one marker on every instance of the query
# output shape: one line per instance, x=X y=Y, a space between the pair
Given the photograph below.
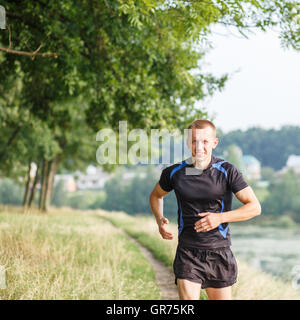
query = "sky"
x=264 y=86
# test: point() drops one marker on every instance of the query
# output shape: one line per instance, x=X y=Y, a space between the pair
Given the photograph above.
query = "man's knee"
x=188 y=290
x=219 y=293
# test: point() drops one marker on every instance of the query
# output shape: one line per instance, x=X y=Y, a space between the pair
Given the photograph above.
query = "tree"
x=10 y=192
x=234 y=155
x=268 y=174
x=127 y=60
x=271 y=147
x=59 y=195
x=284 y=196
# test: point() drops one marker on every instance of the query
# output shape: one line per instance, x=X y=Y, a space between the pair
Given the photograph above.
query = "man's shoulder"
x=222 y=162
x=170 y=170
x=216 y=159
x=175 y=165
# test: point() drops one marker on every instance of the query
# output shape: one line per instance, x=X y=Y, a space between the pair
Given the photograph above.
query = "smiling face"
x=201 y=142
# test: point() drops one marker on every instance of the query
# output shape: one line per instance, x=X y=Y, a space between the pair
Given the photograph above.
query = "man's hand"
x=210 y=221
x=163 y=230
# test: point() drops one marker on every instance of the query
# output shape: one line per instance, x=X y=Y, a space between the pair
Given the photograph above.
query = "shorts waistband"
x=203 y=249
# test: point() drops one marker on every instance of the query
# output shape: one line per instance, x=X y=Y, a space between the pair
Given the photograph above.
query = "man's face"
x=201 y=143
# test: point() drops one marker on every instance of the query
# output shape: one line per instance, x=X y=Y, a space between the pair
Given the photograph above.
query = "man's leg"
x=188 y=290
x=219 y=293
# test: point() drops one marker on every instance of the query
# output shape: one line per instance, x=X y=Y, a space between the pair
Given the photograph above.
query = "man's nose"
x=199 y=146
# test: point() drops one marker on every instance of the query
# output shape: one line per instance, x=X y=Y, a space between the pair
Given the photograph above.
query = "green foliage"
x=284 y=197
x=286 y=222
x=10 y=192
x=271 y=147
x=138 y=61
x=268 y=174
x=59 y=195
x=99 y=201
x=233 y=154
x=131 y=196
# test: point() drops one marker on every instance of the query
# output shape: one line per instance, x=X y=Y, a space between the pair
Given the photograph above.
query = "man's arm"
x=157 y=205
x=250 y=208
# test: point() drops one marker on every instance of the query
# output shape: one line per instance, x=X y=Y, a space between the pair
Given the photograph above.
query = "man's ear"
x=215 y=143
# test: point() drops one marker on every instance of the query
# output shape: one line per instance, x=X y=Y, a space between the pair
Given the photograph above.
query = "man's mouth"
x=199 y=155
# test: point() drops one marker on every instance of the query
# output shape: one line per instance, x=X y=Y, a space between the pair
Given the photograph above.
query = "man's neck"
x=201 y=164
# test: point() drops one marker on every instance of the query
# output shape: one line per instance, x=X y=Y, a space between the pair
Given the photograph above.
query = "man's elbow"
x=257 y=209
x=154 y=196
x=151 y=196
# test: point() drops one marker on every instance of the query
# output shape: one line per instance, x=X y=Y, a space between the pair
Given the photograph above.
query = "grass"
x=68 y=254
x=251 y=284
x=71 y=255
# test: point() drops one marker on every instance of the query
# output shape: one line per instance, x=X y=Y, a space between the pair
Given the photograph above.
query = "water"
x=273 y=250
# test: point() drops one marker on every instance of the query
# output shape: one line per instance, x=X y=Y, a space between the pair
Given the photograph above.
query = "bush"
x=285 y=222
x=11 y=192
x=59 y=195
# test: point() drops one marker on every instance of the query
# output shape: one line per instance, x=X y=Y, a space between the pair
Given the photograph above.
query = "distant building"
x=293 y=162
x=93 y=179
x=68 y=180
x=251 y=167
x=127 y=176
x=247 y=164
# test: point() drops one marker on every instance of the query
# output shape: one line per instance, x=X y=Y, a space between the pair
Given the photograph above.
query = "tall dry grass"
x=251 y=284
x=70 y=255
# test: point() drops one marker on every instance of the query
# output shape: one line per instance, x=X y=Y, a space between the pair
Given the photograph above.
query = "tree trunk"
x=27 y=187
x=50 y=181
x=43 y=185
x=33 y=189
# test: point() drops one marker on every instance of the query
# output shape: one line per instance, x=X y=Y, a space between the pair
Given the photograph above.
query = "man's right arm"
x=156 y=205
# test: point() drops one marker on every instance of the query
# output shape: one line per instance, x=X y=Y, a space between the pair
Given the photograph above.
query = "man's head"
x=202 y=139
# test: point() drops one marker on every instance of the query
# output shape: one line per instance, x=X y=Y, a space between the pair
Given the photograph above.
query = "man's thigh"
x=219 y=293
x=188 y=290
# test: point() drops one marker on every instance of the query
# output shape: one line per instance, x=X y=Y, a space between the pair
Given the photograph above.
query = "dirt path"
x=164 y=276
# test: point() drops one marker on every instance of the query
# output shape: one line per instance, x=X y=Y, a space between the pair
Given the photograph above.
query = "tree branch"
x=27 y=53
x=9 y=37
x=30 y=54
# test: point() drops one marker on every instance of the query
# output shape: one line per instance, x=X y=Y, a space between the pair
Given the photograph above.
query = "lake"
x=272 y=250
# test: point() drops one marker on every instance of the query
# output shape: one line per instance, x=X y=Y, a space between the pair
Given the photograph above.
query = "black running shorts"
x=212 y=268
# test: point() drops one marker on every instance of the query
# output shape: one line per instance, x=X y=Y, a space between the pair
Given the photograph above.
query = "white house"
x=93 y=179
x=251 y=167
x=68 y=180
x=293 y=162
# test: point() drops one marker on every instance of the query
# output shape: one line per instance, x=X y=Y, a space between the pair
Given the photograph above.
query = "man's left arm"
x=250 y=208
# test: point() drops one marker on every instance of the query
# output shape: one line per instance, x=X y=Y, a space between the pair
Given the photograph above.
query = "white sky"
x=266 y=90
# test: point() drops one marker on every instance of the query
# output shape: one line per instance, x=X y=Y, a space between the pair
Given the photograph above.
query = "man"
x=203 y=185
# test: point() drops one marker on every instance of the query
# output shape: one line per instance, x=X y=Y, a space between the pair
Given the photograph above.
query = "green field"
x=68 y=254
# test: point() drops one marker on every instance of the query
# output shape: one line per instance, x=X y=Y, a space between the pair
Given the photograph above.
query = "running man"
x=203 y=185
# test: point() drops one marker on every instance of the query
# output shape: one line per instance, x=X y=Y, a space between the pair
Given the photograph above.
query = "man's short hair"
x=201 y=124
